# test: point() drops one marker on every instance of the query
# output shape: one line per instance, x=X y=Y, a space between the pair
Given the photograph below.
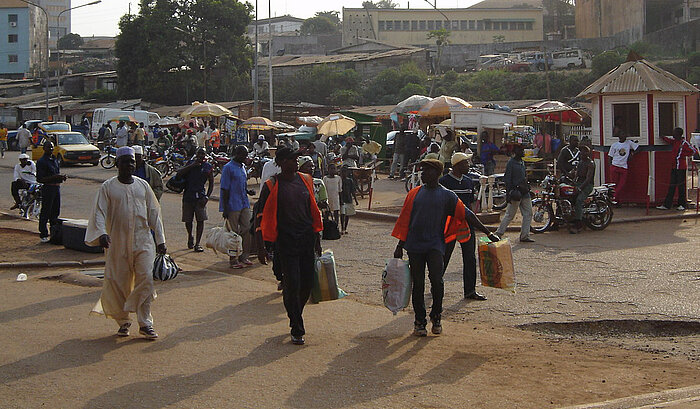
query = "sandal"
x=247 y=262
x=198 y=249
x=237 y=265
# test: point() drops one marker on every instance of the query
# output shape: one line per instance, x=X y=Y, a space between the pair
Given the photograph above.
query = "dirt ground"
x=224 y=343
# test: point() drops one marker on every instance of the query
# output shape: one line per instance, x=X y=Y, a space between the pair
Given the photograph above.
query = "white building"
x=57 y=27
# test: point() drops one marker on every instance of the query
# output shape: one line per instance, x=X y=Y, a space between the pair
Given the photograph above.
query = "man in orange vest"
x=431 y=216
x=288 y=218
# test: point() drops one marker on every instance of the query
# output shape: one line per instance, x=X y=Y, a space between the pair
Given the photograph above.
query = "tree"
x=318 y=25
x=604 y=62
x=70 y=41
x=333 y=16
x=182 y=50
x=381 y=4
x=441 y=40
x=320 y=84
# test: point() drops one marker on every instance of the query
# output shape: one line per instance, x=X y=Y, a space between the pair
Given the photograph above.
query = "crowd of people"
x=306 y=185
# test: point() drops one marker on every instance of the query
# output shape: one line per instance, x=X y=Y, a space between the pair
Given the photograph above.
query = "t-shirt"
x=462 y=187
x=320 y=193
x=333 y=185
x=426 y=230
x=122 y=136
x=3 y=134
x=24 y=137
x=620 y=152
x=294 y=222
x=351 y=151
x=270 y=169
x=140 y=134
x=234 y=180
x=446 y=150
x=260 y=148
x=196 y=179
x=26 y=173
x=488 y=150
x=202 y=137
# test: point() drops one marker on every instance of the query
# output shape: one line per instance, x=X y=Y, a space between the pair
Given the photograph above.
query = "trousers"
x=417 y=263
x=468 y=262
x=525 y=206
x=143 y=314
x=398 y=161
x=240 y=223
x=678 y=181
x=297 y=281
x=618 y=176
x=16 y=186
x=50 y=208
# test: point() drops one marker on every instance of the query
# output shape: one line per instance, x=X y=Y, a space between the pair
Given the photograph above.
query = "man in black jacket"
x=518 y=190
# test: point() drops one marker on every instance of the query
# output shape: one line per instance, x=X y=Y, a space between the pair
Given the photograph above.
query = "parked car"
x=12 y=142
x=568 y=59
x=42 y=130
x=537 y=60
x=511 y=65
x=73 y=147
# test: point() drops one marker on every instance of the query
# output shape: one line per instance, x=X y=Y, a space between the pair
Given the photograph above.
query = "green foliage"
x=381 y=4
x=411 y=89
x=317 y=84
x=102 y=95
x=386 y=86
x=345 y=97
x=333 y=16
x=694 y=59
x=318 y=25
x=498 y=39
x=606 y=61
x=70 y=41
x=171 y=49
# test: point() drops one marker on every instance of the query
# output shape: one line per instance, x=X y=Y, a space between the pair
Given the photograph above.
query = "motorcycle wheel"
x=542 y=216
x=162 y=168
x=215 y=171
x=602 y=219
x=499 y=197
x=108 y=161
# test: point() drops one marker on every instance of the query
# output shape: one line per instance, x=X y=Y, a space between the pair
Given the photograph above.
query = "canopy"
x=283 y=126
x=258 y=123
x=205 y=109
x=552 y=111
x=411 y=104
x=309 y=120
x=336 y=124
x=440 y=106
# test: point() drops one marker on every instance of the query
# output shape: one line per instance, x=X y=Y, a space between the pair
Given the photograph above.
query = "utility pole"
x=269 y=56
x=255 y=64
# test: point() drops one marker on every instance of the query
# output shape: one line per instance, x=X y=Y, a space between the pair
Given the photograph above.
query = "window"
x=422 y=25
x=627 y=117
x=12 y=18
x=455 y=25
x=513 y=26
x=397 y=24
x=472 y=24
x=521 y=26
x=464 y=25
x=431 y=24
x=381 y=26
x=528 y=25
x=12 y=38
x=389 y=25
x=12 y=58
x=488 y=25
x=405 y=25
x=438 y=24
x=414 y=25
x=668 y=112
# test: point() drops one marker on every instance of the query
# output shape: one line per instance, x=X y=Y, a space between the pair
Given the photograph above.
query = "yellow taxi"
x=72 y=147
x=40 y=131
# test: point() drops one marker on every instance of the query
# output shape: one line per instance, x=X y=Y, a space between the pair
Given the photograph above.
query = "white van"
x=103 y=115
x=568 y=59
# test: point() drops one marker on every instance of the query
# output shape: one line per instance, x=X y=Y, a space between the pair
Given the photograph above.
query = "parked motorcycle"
x=217 y=161
x=110 y=158
x=554 y=205
x=476 y=171
x=30 y=201
x=170 y=162
x=256 y=164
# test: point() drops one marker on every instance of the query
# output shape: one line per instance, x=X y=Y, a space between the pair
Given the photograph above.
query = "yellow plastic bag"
x=496 y=264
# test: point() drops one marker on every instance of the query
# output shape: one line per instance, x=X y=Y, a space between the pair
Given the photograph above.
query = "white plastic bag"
x=396 y=285
x=225 y=241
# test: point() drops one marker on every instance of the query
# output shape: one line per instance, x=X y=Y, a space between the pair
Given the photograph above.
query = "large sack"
x=325 y=280
x=225 y=241
x=396 y=285
x=496 y=264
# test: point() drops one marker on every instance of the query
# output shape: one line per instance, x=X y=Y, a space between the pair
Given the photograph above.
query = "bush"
x=411 y=89
x=694 y=59
x=604 y=62
x=345 y=97
x=102 y=95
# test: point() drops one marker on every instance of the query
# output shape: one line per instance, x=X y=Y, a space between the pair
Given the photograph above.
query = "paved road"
x=628 y=274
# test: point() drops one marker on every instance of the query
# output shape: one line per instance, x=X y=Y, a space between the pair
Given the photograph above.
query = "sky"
x=103 y=19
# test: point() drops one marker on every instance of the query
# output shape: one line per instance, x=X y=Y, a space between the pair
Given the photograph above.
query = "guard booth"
x=646 y=102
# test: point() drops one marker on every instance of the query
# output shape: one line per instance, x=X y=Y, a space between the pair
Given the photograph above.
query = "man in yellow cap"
x=430 y=217
x=461 y=184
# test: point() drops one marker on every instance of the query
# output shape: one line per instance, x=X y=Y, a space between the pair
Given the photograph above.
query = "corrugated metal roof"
x=323 y=59
x=637 y=77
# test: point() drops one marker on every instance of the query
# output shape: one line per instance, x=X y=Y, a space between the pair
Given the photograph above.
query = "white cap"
x=459 y=157
x=138 y=150
x=23 y=156
x=125 y=151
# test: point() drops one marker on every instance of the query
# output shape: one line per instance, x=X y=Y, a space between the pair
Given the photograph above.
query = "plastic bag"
x=225 y=241
x=330 y=230
x=164 y=268
x=496 y=264
x=396 y=285
x=325 y=280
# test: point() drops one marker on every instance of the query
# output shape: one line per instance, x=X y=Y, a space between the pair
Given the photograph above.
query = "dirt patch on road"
x=22 y=245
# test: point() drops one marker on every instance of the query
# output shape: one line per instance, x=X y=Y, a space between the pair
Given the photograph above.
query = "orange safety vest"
x=456 y=227
x=215 y=139
x=268 y=224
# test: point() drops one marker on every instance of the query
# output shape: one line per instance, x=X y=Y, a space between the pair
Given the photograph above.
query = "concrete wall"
x=467 y=26
x=681 y=38
x=604 y=18
x=20 y=49
x=303 y=45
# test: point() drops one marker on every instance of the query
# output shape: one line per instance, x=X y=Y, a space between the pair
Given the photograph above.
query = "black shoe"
x=475 y=296
x=190 y=243
x=148 y=332
x=298 y=340
x=124 y=330
x=419 y=330
x=437 y=326
x=527 y=240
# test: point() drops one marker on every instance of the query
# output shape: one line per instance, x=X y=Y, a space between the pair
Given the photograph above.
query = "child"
x=333 y=187
x=620 y=154
x=347 y=195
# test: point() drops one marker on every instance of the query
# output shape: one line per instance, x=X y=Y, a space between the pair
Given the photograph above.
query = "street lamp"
x=58 y=49
x=46 y=72
x=204 y=51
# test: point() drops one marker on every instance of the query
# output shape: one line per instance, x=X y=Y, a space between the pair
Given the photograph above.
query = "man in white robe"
x=126 y=210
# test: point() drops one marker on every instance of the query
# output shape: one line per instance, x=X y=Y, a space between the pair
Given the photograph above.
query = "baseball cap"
x=459 y=157
x=434 y=163
x=304 y=159
x=138 y=150
x=23 y=156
